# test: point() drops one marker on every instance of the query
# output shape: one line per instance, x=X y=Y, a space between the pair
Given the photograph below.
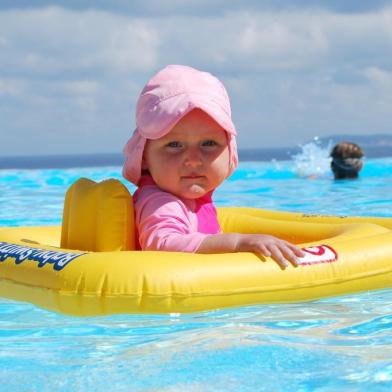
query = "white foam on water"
x=313 y=160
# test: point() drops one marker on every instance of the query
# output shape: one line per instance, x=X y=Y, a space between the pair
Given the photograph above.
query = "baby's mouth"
x=192 y=176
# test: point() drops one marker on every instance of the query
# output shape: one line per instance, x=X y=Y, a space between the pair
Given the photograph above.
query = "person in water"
x=347 y=160
x=183 y=148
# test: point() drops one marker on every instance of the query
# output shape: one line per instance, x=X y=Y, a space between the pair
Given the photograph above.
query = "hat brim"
x=167 y=114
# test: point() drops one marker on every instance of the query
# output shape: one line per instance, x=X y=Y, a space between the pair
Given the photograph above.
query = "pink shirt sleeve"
x=164 y=222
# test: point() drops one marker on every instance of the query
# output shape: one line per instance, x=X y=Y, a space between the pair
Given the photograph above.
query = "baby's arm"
x=163 y=223
x=281 y=251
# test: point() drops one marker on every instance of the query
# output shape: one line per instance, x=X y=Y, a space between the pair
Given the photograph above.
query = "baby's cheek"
x=172 y=159
x=222 y=166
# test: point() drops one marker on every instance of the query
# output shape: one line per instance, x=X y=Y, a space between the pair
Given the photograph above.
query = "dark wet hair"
x=347 y=160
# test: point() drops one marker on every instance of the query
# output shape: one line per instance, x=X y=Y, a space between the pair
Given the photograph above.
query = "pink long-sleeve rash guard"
x=166 y=222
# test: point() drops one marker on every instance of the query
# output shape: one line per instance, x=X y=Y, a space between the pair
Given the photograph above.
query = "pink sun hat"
x=167 y=97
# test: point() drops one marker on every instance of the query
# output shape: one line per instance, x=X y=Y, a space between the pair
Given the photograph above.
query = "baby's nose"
x=193 y=157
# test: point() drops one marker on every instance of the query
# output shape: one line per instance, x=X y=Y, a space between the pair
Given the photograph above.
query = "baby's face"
x=192 y=159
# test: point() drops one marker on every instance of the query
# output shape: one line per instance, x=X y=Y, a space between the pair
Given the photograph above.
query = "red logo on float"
x=318 y=254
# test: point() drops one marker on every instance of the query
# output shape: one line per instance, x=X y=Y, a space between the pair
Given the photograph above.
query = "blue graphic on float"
x=21 y=253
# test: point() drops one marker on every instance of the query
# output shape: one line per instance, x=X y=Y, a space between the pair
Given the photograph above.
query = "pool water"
x=337 y=344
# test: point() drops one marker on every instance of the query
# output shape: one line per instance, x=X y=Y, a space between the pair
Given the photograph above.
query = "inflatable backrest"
x=98 y=217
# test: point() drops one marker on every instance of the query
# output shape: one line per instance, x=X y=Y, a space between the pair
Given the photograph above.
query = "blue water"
x=336 y=344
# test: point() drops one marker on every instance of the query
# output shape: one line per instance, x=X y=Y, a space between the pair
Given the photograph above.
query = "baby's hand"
x=281 y=251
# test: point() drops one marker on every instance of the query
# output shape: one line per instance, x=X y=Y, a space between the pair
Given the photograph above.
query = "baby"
x=183 y=148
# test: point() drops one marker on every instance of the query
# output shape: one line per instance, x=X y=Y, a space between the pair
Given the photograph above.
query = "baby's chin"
x=194 y=191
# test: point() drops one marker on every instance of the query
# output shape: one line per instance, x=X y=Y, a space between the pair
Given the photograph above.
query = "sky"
x=71 y=71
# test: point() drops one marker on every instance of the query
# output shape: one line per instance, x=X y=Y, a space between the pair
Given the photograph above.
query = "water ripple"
x=338 y=344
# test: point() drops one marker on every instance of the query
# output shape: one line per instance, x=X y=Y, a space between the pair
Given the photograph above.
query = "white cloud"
x=268 y=42
x=11 y=87
x=243 y=41
x=282 y=42
x=292 y=74
x=55 y=40
x=379 y=76
x=82 y=87
x=58 y=40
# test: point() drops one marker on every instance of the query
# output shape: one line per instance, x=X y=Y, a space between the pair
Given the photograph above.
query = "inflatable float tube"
x=87 y=267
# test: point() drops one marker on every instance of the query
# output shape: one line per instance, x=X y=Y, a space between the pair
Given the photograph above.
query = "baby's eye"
x=174 y=144
x=209 y=143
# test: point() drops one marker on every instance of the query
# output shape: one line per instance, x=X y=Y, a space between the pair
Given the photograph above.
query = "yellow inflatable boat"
x=88 y=266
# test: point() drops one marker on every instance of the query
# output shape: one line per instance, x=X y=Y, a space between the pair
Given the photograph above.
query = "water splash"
x=313 y=161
